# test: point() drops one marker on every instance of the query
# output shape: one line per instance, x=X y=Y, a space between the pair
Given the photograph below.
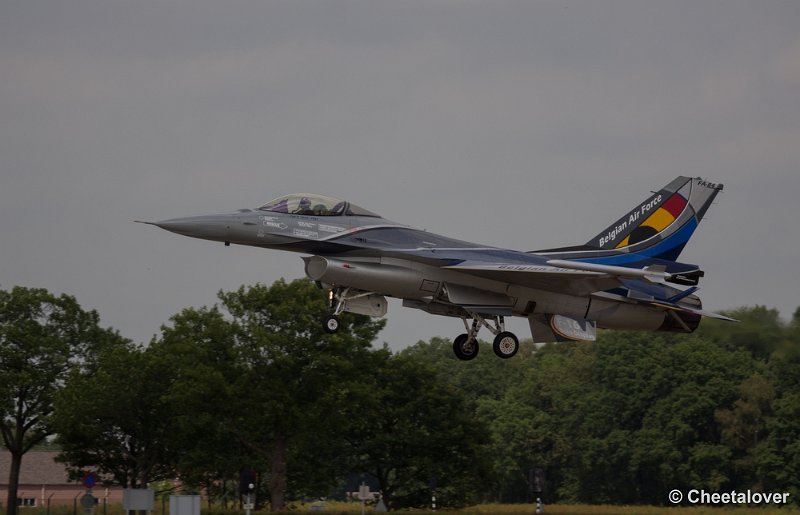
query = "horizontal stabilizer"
x=682 y=295
x=688 y=309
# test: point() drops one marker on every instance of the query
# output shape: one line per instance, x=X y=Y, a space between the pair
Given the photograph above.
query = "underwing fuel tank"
x=389 y=280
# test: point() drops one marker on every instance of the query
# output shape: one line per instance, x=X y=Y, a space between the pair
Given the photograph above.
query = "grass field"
x=341 y=508
x=585 y=509
x=569 y=509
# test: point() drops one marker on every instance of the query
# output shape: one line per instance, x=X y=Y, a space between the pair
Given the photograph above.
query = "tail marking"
x=663 y=216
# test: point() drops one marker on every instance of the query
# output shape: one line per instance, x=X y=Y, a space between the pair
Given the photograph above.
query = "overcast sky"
x=520 y=124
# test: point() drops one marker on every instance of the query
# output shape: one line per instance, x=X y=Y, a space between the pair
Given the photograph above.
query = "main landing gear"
x=466 y=347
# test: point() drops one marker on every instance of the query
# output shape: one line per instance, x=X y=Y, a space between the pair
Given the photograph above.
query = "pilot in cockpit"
x=303 y=207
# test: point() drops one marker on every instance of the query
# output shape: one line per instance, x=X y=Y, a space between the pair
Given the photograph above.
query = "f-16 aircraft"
x=625 y=277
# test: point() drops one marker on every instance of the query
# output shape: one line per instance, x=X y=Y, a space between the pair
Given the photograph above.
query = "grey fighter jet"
x=626 y=277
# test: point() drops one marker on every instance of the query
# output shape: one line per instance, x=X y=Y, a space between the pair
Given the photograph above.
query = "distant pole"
x=536 y=480
x=247 y=488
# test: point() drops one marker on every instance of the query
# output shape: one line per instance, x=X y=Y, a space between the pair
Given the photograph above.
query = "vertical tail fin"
x=660 y=226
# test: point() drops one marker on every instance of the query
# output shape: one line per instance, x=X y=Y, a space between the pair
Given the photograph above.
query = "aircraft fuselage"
x=387 y=258
x=621 y=279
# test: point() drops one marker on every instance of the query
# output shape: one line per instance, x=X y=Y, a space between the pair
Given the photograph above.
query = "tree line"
x=254 y=383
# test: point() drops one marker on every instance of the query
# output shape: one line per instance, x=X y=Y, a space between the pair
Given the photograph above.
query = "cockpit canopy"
x=312 y=204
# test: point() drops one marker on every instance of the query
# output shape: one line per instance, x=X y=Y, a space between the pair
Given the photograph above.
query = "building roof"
x=38 y=468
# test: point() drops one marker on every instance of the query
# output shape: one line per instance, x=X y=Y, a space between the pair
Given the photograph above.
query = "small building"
x=43 y=482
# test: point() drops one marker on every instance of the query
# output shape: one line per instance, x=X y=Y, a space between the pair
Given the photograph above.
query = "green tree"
x=678 y=444
x=412 y=431
x=254 y=383
x=512 y=427
x=521 y=438
x=759 y=330
x=293 y=376
x=540 y=417
x=115 y=418
x=200 y=349
x=42 y=338
x=479 y=379
x=779 y=454
x=626 y=418
x=744 y=427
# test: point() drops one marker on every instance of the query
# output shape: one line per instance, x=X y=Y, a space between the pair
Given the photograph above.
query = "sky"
x=518 y=124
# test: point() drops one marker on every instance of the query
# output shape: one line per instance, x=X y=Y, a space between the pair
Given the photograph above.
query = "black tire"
x=463 y=349
x=331 y=324
x=505 y=345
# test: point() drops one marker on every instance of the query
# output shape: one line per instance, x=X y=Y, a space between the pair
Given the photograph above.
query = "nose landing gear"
x=336 y=299
x=331 y=324
x=356 y=301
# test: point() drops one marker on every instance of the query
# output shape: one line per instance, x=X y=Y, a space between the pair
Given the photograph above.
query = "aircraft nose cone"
x=207 y=227
x=185 y=226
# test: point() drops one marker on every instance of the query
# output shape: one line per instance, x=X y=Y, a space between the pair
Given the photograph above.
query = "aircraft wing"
x=543 y=277
x=645 y=284
x=574 y=277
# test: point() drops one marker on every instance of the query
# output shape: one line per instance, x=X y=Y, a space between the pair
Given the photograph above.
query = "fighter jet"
x=625 y=277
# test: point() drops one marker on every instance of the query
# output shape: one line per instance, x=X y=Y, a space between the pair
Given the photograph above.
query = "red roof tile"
x=38 y=468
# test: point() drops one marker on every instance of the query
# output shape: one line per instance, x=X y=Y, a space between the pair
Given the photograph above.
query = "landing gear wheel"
x=505 y=345
x=465 y=348
x=331 y=324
